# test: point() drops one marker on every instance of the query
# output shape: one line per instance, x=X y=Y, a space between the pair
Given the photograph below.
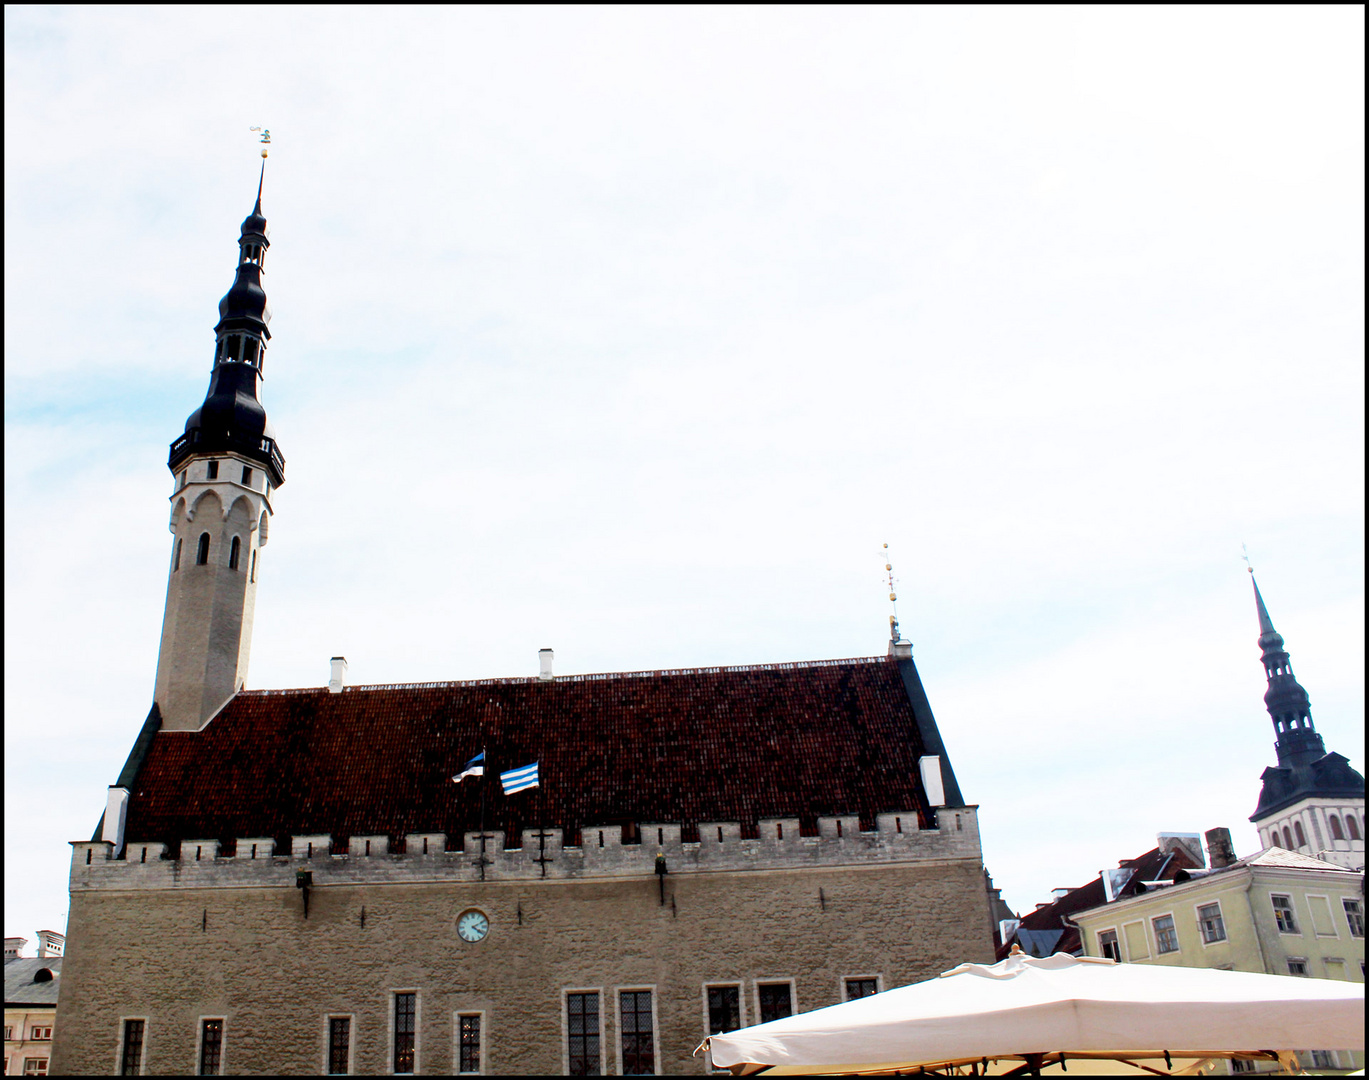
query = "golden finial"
x=1246 y=556
x=893 y=595
x=265 y=138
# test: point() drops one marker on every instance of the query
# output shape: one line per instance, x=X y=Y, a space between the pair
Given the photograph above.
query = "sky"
x=637 y=332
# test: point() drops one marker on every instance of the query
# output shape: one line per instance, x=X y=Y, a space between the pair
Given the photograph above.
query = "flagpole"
x=484 y=781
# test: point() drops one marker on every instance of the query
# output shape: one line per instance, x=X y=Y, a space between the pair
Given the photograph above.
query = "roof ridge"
x=590 y=677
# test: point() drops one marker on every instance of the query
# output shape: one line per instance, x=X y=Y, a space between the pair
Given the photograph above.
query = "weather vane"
x=893 y=596
x=1246 y=556
x=265 y=138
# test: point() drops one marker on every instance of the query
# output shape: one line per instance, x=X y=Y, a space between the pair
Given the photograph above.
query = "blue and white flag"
x=519 y=779
x=474 y=767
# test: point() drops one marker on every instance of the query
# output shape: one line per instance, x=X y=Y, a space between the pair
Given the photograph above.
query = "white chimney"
x=544 y=657
x=337 y=674
x=50 y=943
x=116 y=811
x=931 y=779
x=13 y=947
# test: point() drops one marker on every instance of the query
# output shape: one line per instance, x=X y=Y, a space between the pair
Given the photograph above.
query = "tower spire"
x=1297 y=741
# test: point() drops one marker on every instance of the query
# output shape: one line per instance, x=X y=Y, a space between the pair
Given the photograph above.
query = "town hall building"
x=294 y=881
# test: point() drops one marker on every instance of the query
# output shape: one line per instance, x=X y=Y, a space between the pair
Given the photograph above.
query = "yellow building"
x=1277 y=912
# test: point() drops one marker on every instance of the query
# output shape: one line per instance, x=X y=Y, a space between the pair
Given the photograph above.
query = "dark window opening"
x=859 y=988
x=213 y=472
x=176 y=559
x=660 y=836
x=405 y=1007
x=1336 y=834
x=724 y=1009
x=253 y=576
x=601 y=837
x=1351 y=827
x=639 y=1056
x=202 y=553
x=233 y=553
x=247 y=476
x=211 y=1047
x=339 y=1044
x=898 y=824
x=470 y=1044
x=720 y=834
x=777 y=1001
x=1287 y=839
x=132 y=1061
x=838 y=830
x=1109 y=946
x=779 y=831
x=1298 y=834
x=582 y=1034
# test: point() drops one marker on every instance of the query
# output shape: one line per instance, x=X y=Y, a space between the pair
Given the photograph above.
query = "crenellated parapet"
x=538 y=853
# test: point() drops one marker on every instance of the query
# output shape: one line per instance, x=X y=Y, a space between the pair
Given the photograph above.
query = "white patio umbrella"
x=1058 y=1004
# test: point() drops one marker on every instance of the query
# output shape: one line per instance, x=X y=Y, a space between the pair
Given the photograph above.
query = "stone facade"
x=175 y=941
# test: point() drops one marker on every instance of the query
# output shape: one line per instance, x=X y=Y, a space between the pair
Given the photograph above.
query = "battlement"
x=540 y=853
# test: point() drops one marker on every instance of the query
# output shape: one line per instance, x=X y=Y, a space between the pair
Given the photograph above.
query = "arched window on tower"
x=1336 y=833
x=233 y=553
x=1351 y=826
x=1287 y=839
x=202 y=553
x=176 y=559
x=1299 y=834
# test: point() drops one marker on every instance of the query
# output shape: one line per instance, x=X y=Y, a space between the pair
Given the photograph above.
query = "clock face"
x=472 y=925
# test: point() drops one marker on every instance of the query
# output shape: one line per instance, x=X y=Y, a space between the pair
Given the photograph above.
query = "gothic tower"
x=1312 y=801
x=227 y=468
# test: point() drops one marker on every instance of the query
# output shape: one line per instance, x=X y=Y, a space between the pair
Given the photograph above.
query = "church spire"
x=1297 y=741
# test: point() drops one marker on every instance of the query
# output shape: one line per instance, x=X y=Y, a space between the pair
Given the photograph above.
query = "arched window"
x=176 y=560
x=233 y=553
x=202 y=553
x=1351 y=826
x=1287 y=839
x=1297 y=831
x=1336 y=834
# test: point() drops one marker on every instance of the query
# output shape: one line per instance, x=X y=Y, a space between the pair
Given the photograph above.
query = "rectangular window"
x=776 y=1000
x=9 y=1033
x=1108 y=945
x=634 y=1018
x=582 y=1034
x=211 y=1047
x=1166 y=940
x=405 y=1007
x=1297 y=966
x=469 y=1034
x=339 y=1044
x=1210 y=923
x=1354 y=917
x=859 y=988
x=1283 y=914
x=35 y=1066
x=40 y=1034
x=1324 y=1059
x=213 y=470
x=131 y=1063
x=246 y=476
x=724 y=1009
x=1242 y=1065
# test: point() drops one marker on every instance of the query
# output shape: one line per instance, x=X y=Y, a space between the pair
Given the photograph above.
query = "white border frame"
x=199 y=1041
x=793 y=994
x=1346 y=915
x=637 y=988
x=457 y=1014
x=566 y=991
x=1144 y=924
x=740 y=985
x=1155 y=935
x=1293 y=907
x=841 y=988
x=119 y=1047
x=390 y=1026
x=1116 y=937
x=1330 y=914
x=1225 y=939
x=328 y=1017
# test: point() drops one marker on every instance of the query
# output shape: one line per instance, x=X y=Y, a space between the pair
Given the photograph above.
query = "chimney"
x=930 y=766
x=544 y=658
x=1219 y=850
x=1056 y=894
x=50 y=943
x=337 y=674
x=13 y=947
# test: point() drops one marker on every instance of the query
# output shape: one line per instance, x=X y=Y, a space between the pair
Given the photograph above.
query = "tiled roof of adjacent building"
x=688 y=746
x=21 y=987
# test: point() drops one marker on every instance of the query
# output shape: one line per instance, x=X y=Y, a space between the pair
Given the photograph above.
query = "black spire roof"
x=1305 y=768
x=232 y=418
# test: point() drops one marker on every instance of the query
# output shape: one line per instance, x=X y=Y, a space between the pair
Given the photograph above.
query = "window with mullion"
x=859 y=988
x=634 y=1015
x=777 y=1001
x=132 y=1062
x=470 y=1044
x=582 y=1034
x=211 y=1047
x=405 y=1008
x=339 y=1045
x=724 y=1009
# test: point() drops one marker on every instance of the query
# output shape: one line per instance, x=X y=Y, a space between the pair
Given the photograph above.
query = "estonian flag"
x=474 y=767
x=519 y=779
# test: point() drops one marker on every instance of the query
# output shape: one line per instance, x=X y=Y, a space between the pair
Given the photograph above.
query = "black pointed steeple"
x=1305 y=768
x=232 y=418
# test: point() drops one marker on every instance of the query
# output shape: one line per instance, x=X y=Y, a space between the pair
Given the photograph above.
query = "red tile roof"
x=712 y=744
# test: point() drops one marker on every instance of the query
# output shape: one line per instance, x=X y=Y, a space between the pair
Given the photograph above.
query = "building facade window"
x=339 y=1045
x=1210 y=923
x=582 y=1034
x=247 y=476
x=234 y=550
x=638 y=1032
x=202 y=552
x=211 y=1047
x=36 y=1066
x=468 y=1038
x=1299 y=835
x=860 y=988
x=1297 y=966
x=1109 y=946
x=1336 y=834
x=776 y=1001
x=1287 y=839
x=406 y=1009
x=40 y=1033
x=1351 y=827
x=212 y=470
x=724 y=1009
x=253 y=575
x=176 y=559
x=1283 y=914
x=131 y=1060
x=1166 y=939
x=1354 y=916
x=1324 y=1059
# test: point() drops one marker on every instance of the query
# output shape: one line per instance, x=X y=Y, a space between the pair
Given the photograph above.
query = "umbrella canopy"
x=1060 y=1004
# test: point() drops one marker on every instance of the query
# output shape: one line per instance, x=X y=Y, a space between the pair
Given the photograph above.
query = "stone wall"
x=177 y=940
